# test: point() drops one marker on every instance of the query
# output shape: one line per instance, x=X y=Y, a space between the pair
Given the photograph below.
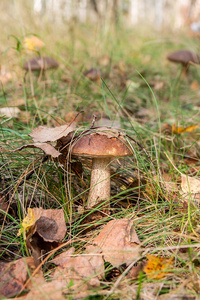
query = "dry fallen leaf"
x=47 y=290
x=9 y=112
x=63 y=257
x=13 y=276
x=190 y=187
x=79 y=271
x=157 y=267
x=180 y=129
x=190 y=184
x=44 y=134
x=96 y=260
x=47 y=148
x=118 y=242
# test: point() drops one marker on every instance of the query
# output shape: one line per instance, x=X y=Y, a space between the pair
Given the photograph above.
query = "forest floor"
x=144 y=242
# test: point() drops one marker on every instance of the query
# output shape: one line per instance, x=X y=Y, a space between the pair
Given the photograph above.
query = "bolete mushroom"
x=184 y=57
x=40 y=64
x=93 y=74
x=101 y=145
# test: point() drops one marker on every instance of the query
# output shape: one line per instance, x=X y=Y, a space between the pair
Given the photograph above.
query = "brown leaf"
x=47 y=148
x=47 y=290
x=96 y=260
x=13 y=276
x=191 y=187
x=118 y=242
x=190 y=184
x=79 y=270
x=62 y=258
x=44 y=134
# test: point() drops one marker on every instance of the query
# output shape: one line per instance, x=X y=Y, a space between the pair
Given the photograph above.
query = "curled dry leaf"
x=50 y=226
x=47 y=148
x=13 y=276
x=118 y=242
x=44 y=134
x=45 y=229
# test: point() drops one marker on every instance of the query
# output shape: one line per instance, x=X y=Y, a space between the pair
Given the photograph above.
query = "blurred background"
x=159 y=13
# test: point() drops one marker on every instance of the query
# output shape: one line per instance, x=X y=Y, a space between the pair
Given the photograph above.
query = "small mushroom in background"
x=102 y=146
x=40 y=64
x=94 y=75
x=184 y=57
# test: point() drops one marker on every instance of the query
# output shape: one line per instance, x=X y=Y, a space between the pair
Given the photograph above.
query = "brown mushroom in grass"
x=102 y=146
x=40 y=65
x=94 y=75
x=184 y=57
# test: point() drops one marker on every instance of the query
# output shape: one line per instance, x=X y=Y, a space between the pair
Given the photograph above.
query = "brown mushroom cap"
x=184 y=57
x=107 y=143
x=93 y=74
x=40 y=63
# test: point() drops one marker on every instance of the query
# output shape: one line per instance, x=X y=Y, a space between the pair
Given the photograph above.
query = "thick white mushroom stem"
x=100 y=181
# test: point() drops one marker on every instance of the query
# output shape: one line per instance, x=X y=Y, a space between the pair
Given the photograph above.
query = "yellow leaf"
x=157 y=267
x=33 y=43
x=28 y=221
x=183 y=130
